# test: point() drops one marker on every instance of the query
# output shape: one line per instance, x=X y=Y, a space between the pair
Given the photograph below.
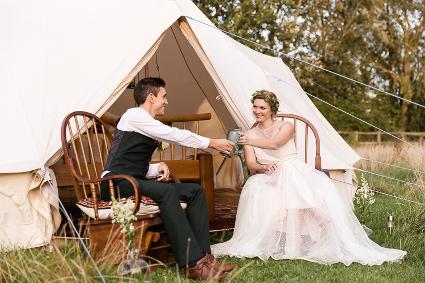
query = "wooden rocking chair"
x=86 y=142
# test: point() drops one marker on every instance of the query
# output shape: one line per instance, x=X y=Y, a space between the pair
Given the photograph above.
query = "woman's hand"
x=243 y=139
x=270 y=168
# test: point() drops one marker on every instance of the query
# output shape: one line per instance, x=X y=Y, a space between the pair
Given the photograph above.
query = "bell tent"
x=61 y=56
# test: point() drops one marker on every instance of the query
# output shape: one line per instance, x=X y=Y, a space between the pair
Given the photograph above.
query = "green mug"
x=233 y=135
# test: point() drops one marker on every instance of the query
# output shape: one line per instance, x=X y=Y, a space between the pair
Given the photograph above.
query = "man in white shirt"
x=136 y=138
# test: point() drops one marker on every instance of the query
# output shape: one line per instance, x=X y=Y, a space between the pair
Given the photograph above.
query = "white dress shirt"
x=138 y=120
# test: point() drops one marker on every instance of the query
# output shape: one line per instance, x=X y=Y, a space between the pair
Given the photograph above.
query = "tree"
x=264 y=22
x=378 y=42
x=396 y=40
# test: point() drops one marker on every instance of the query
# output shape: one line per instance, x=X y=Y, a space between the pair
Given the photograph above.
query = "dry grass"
x=398 y=154
x=403 y=155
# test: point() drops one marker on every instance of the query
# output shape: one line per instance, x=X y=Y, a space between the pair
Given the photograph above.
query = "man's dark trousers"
x=183 y=229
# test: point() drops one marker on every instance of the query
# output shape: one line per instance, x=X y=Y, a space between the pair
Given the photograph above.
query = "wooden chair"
x=308 y=126
x=86 y=143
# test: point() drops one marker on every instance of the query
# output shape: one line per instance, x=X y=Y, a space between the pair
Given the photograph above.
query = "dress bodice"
x=264 y=156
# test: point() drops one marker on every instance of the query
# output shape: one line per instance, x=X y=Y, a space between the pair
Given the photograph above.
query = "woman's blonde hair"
x=269 y=97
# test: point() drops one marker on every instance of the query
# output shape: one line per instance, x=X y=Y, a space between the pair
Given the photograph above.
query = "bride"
x=289 y=210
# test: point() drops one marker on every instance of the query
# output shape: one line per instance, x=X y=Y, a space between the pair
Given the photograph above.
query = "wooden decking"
x=226 y=203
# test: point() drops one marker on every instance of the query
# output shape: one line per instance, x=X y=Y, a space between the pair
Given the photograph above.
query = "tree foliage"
x=378 y=42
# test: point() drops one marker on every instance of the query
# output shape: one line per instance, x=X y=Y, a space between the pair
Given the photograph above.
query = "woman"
x=289 y=210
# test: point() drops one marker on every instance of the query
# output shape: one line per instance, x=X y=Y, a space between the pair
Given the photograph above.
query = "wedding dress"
x=297 y=213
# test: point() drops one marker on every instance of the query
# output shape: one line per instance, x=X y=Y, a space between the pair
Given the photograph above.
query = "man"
x=136 y=138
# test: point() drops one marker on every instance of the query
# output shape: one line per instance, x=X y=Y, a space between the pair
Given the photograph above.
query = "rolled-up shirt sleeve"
x=140 y=121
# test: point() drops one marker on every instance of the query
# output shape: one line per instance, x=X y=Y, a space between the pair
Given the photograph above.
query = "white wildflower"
x=364 y=198
x=122 y=214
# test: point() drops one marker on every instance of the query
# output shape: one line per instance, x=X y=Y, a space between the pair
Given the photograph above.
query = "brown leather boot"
x=203 y=270
x=226 y=267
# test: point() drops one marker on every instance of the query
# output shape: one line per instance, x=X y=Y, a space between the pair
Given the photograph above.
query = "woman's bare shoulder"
x=287 y=125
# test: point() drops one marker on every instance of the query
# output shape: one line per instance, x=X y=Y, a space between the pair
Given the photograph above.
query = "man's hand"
x=222 y=145
x=165 y=171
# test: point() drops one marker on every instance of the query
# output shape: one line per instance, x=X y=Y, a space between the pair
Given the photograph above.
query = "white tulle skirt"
x=296 y=213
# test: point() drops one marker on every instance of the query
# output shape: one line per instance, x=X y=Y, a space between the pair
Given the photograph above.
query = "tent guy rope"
x=392 y=165
x=311 y=64
x=389 y=177
x=361 y=120
x=382 y=193
x=347 y=113
x=80 y=239
x=339 y=109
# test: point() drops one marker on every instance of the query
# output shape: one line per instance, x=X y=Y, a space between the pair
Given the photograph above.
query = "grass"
x=408 y=235
x=69 y=264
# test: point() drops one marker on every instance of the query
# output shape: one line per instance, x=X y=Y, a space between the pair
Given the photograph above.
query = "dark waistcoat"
x=130 y=154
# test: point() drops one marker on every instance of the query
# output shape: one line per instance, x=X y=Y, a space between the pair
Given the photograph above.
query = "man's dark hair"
x=146 y=86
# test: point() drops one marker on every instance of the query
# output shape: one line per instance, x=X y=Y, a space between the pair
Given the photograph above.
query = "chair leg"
x=206 y=173
x=145 y=238
x=148 y=239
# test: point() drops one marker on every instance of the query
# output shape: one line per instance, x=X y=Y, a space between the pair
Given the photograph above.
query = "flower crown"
x=269 y=97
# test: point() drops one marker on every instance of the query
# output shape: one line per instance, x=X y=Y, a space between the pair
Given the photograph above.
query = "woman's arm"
x=251 y=161
x=285 y=134
x=252 y=164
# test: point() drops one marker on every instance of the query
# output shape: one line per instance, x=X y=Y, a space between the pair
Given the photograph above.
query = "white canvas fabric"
x=61 y=56
x=29 y=210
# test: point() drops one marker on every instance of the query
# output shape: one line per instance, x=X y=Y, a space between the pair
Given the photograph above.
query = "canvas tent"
x=61 y=56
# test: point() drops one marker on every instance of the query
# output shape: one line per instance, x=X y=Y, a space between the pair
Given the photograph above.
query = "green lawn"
x=69 y=264
x=408 y=235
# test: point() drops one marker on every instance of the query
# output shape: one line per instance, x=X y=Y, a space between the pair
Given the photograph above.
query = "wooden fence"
x=356 y=137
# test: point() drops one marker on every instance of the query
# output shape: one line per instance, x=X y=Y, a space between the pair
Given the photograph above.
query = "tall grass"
x=404 y=155
x=69 y=263
x=411 y=156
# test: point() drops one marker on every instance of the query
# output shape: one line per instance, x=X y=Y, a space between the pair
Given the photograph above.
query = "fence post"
x=378 y=137
x=356 y=136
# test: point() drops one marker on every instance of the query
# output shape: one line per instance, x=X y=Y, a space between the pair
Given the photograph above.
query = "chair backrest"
x=186 y=122
x=308 y=124
x=86 y=142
